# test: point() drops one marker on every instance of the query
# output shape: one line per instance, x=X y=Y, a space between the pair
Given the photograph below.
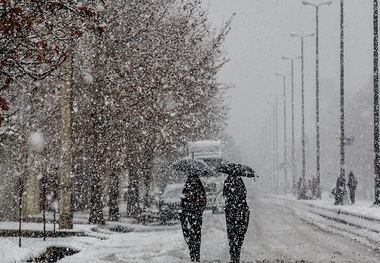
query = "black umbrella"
x=236 y=169
x=193 y=167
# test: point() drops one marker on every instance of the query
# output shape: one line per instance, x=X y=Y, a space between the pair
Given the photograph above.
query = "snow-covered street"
x=281 y=229
x=287 y=230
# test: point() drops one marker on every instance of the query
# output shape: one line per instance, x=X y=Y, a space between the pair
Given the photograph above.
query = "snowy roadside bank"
x=359 y=222
x=362 y=208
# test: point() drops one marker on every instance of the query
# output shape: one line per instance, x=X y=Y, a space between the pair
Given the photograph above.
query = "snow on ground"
x=361 y=207
x=145 y=244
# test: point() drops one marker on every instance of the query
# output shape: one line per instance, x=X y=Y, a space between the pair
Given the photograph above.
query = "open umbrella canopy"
x=193 y=167
x=236 y=169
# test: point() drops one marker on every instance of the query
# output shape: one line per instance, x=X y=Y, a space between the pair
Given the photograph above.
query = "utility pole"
x=272 y=150
x=285 y=141
x=276 y=140
x=302 y=107
x=294 y=181
x=376 y=102
x=317 y=91
x=342 y=157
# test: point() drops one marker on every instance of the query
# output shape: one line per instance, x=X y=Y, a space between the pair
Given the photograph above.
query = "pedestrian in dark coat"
x=340 y=190
x=352 y=184
x=301 y=189
x=237 y=214
x=193 y=204
x=314 y=187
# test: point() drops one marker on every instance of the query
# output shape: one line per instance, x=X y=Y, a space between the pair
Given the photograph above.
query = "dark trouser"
x=352 y=196
x=377 y=193
x=339 y=196
x=191 y=227
x=237 y=225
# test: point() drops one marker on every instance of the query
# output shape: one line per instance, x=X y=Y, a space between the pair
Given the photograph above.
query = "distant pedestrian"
x=301 y=194
x=340 y=190
x=299 y=184
x=314 y=188
x=352 y=184
x=193 y=204
x=309 y=190
x=237 y=214
x=377 y=190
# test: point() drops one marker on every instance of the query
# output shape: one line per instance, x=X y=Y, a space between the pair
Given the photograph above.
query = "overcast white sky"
x=258 y=39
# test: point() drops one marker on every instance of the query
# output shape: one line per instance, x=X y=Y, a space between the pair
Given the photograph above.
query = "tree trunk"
x=66 y=180
x=32 y=191
x=133 y=204
x=147 y=184
x=147 y=179
x=96 y=205
x=114 y=213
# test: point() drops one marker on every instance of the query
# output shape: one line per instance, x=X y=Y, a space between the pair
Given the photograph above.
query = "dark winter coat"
x=193 y=204
x=194 y=195
x=341 y=183
x=377 y=190
x=377 y=181
x=352 y=182
x=234 y=192
x=237 y=214
x=340 y=190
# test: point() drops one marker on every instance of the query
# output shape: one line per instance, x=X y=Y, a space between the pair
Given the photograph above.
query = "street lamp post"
x=376 y=101
x=285 y=144
x=292 y=95
x=272 y=145
x=342 y=154
x=317 y=89
x=276 y=140
x=303 y=105
x=269 y=142
x=275 y=124
x=266 y=151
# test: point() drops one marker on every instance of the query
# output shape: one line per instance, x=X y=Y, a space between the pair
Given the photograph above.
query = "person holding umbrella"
x=236 y=207
x=237 y=214
x=193 y=204
x=193 y=201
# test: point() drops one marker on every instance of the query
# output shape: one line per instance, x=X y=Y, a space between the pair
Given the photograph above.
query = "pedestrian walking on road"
x=237 y=214
x=377 y=190
x=193 y=204
x=352 y=184
x=340 y=190
x=314 y=188
x=301 y=194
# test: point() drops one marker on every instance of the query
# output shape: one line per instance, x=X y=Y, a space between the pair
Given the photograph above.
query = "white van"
x=210 y=151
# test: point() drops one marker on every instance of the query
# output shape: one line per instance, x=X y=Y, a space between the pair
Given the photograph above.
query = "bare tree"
x=36 y=36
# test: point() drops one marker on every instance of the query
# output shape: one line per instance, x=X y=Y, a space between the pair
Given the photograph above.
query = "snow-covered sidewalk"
x=153 y=243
